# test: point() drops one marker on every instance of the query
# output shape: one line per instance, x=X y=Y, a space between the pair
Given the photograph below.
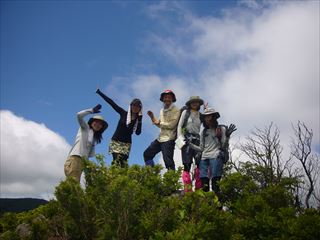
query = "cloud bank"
x=32 y=157
x=254 y=64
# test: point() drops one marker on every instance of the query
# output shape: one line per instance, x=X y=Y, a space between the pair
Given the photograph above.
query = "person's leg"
x=73 y=167
x=198 y=182
x=167 y=149
x=120 y=159
x=116 y=159
x=186 y=158
x=215 y=186
x=187 y=161
x=151 y=151
x=204 y=164
x=124 y=160
x=216 y=166
x=194 y=155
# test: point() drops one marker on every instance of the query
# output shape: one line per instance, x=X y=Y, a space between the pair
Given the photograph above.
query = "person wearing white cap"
x=89 y=134
x=169 y=117
x=213 y=144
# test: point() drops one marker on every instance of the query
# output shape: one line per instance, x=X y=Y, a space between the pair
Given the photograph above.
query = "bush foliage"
x=140 y=203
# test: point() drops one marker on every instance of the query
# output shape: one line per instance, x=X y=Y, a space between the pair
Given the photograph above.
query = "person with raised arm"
x=89 y=134
x=129 y=122
x=214 y=140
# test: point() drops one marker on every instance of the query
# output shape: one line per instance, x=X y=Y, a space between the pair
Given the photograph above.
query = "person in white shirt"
x=89 y=134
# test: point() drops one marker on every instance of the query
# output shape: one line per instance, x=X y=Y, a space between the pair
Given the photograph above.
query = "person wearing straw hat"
x=189 y=130
x=130 y=121
x=213 y=144
x=89 y=134
x=169 y=117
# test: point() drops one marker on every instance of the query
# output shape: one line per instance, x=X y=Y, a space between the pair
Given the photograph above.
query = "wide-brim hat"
x=194 y=99
x=211 y=111
x=99 y=118
x=168 y=92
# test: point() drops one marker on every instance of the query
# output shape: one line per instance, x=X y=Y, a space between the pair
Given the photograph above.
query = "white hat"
x=211 y=111
x=100 y=118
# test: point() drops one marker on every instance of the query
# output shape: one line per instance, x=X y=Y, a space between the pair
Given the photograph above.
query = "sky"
x=255 y=62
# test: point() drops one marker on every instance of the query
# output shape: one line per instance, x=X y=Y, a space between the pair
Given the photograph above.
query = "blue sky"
x=55 y=54
x=240 y=56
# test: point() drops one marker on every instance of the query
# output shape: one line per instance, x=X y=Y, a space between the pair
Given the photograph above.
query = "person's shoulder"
x=222 y=126
x=176 y=109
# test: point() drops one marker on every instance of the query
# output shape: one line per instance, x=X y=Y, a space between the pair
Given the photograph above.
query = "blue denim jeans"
x=212 y=166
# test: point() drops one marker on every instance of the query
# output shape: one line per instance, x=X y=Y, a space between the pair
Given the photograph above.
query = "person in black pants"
x=169 y=117
x=130 y=121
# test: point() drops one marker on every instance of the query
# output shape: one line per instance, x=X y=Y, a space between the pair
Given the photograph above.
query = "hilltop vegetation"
x=138 y=203
x=264 y=198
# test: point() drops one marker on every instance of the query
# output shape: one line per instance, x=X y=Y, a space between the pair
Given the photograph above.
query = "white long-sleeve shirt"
x=168 y=123
x=84 y=145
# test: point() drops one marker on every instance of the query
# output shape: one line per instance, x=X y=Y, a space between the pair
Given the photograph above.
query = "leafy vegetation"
x=139 y=203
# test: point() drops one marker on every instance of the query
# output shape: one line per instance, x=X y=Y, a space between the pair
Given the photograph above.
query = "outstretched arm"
x=83 y=113
x=115 y=106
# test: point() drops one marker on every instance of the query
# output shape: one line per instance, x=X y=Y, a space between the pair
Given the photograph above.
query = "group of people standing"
x=178 y=127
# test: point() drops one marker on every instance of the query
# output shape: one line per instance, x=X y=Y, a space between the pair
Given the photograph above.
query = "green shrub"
x=139 y=203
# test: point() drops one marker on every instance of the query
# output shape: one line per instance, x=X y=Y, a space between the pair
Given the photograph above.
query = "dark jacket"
x=123 y=132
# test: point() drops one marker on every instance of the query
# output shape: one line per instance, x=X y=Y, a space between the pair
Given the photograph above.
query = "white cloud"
x=32 y=157
x=250 y=4
x=255 y=67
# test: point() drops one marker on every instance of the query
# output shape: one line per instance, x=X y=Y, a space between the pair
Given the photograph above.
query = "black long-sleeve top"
x=123 y=132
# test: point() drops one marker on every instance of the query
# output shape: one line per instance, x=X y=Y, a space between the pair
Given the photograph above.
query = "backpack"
x=186 y=117
x=224 y=149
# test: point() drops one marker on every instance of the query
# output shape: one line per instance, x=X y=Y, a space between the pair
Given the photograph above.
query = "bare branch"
x=263 y=147
x=301 y=150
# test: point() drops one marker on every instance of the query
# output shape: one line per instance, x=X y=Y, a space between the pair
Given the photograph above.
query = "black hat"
x=136 y=101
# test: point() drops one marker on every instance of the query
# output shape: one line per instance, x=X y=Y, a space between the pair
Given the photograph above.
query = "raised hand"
x=153 y=119
x=97 y=108
x=230 y=130
x=205 y=105
x=150 y=114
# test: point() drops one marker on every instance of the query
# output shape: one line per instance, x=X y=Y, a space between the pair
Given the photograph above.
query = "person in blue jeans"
x=214 y=141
